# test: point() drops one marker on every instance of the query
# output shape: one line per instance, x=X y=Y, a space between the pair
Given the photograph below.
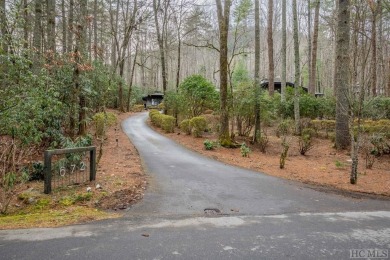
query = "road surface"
x=198 y=208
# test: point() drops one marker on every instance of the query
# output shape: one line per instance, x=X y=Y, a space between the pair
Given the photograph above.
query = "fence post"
x=48 y=156
x=47 y=172
x=92 y=164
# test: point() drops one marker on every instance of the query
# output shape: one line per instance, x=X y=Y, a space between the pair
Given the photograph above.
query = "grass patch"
x=33 y=217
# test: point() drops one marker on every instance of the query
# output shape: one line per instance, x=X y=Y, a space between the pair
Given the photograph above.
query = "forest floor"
x=323 y=167
x=120 y=182
x=123 y=182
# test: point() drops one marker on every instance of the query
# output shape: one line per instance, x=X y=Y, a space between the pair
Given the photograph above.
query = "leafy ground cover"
x=322 y=166
x=120 y=182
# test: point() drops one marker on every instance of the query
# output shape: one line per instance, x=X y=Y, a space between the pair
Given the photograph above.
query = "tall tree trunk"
x=70 y=25
x=3 y=24
x=82 y=32
x=309 y=61
x=160 y=41
x=51 y=26
x=37 y=35
x=115 y=44
x=270 y=42
x=25 y=24
x=256 y=84
x=64 y=27
x=313 y=74
x=354 y=47
x=297 y=116
x=4 y=29
x=95 y=30
x=334 y=80
x=132 y=77
x=342 y=75
x=178 y=61
x=382 y=67
x=223 y=23
x=284 y=53
x=388 y=80
x=374 y=11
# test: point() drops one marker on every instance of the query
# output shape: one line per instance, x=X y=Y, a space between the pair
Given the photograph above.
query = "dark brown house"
x=153 y=100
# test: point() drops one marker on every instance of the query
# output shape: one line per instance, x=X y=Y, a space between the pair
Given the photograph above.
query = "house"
x=153 y=100
x=278 y=85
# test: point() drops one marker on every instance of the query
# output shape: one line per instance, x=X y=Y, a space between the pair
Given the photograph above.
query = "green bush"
x=323 y=125
x=185 y=126
x=305 y=140
x=152 y=112
x=284 y=128
x=245 y=150
x=377 y=108
x=377 y=127
x=155 y=117
x=103 y=120
x=209 y=145
x=161 y=106
x=263 y=141
x=198 y=95
x=381 y=145
x=198 y=125
x=138 y=108
x=308 y=132
x=212 y=122
x=168 y=123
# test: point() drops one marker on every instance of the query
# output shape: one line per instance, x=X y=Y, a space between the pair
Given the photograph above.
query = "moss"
x=226 y=141
x=66 y=201
x=52 y=218
x=42 y=203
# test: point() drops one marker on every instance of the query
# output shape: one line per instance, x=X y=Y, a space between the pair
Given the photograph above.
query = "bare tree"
x=342 y=74
x=374 y=10
x=160 y=37
x=270 y=42
x=70 y=25
x=95 y=30
x=132 y=76
x=257 y=73
x=37 y=34
x=131 y=19
x=180 y=15
x=284 y=52
x=313 y=64
x=297 y=68
x=25 y=24
x=81 y=38
x=309 y=61
x=64 y=26
x=51 y=26
x=223 y=12
x=4 y=30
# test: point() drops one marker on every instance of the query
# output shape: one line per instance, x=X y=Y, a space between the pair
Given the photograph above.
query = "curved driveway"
x=184 y=182
x=262 y=217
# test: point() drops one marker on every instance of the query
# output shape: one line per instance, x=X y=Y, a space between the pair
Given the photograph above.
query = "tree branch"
x=207 y=45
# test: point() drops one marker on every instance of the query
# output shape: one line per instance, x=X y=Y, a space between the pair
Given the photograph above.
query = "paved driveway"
x=197 y=208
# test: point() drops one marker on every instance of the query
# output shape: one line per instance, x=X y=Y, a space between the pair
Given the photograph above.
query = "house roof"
x=278 y=85
x=154 y=95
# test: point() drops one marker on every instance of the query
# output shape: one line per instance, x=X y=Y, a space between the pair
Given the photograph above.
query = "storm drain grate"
x=212 y=212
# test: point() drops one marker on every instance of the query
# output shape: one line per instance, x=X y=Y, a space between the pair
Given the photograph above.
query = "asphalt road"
x=197 y=208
